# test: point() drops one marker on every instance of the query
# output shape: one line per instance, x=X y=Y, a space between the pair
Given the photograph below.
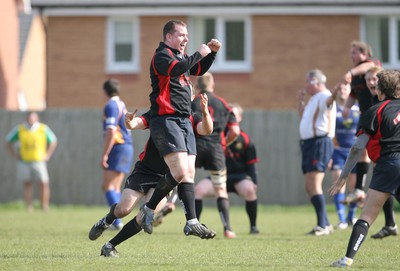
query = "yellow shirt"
x=33 y=143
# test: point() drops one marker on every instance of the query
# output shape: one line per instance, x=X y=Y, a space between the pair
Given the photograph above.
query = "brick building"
x=268 y=46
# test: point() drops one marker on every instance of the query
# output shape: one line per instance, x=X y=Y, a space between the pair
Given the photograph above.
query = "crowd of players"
x=189 y=131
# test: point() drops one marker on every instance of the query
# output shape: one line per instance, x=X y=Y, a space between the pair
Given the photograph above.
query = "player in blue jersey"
x=346 y=128
x=117 y=155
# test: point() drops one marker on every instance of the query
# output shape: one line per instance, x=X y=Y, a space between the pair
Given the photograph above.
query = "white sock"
x=192 y=221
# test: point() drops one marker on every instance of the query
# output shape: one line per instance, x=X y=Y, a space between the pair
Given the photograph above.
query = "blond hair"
x=374 y=69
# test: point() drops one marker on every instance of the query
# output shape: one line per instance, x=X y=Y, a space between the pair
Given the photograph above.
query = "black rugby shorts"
x=210 y=156
x=173 y=134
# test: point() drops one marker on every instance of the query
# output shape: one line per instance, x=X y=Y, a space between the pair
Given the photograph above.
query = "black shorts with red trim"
x=210 y=155
x=173 y=134
x=142 y=179
x=386 y=175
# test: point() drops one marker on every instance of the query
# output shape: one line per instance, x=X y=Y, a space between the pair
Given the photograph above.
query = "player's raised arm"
x=205 y=127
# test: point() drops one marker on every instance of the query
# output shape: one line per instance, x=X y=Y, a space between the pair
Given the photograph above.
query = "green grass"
x=58 y=241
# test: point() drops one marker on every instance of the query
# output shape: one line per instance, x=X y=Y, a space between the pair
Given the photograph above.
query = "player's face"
x=357 y=56
x=312 y=85
x=179 y=39
x=32 y=118
x=372 y=82
x=344 y=91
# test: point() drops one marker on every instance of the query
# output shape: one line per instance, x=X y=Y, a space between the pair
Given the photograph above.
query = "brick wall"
x=284 y=49
x=76 y=47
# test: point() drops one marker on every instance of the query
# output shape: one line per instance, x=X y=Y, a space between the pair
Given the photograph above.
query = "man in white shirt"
x=317 y=129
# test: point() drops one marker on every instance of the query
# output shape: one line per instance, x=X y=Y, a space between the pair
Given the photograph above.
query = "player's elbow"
x=209 y=129
x=205 y=130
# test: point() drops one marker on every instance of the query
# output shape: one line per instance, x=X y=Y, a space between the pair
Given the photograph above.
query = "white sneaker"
x=357 y=195
x=342 y=262
x=318 y=231
x=342 y=226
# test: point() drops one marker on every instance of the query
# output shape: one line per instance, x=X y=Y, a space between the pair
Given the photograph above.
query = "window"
x=383 y=34
x=235 y=35
x=122 y=45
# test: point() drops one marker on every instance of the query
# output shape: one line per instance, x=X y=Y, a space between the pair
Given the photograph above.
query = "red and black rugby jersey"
x=221 y=115
x=239 y=154
x=170 y=73
x=381 y=122
x=360 y=91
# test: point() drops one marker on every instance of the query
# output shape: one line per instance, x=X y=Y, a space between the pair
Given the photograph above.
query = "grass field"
x=58 y=241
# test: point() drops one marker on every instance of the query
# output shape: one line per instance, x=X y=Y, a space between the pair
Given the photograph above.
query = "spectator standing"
x=32 y=144
x=317 y=129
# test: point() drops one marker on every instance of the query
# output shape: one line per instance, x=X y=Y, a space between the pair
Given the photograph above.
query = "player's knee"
x=180 y=172
x=199 y=191
x=249 y=194
x=122 y=210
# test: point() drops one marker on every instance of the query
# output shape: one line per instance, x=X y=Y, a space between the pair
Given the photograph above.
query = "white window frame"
x=394 y=58
x=113 y=66
x=221 y=64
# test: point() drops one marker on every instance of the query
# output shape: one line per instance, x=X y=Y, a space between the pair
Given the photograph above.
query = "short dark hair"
x=111 y=87
x=169 y=27
x=205 y=81
x=389 y=83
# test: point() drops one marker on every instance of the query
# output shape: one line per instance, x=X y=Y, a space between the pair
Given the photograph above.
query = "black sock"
x=111 y=216
x=358 y=235
x=129 y=230
x=164 y=186
x=186 y=196
x=251 y=209
x=223 y=209
x=199 y=207
x=361 y=170
x=389 y=213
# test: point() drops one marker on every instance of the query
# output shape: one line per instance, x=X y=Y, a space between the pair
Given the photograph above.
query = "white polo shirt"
x=317 y=118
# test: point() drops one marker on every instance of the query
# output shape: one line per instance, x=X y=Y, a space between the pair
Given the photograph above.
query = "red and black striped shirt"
x=221 y=115
x=170 y=73
x=360 y=91
x=241 y=156
x=382 y=123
